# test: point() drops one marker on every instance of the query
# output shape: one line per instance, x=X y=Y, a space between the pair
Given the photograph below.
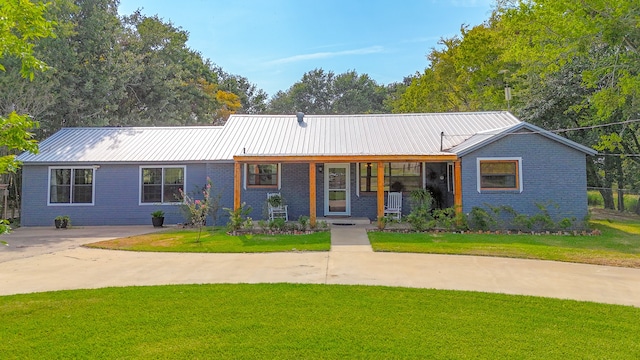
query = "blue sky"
x=274 y=42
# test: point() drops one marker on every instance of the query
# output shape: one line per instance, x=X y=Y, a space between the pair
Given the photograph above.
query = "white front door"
x=336 y=190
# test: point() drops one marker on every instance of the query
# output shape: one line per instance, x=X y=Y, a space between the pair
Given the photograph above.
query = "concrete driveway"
x=45 y=259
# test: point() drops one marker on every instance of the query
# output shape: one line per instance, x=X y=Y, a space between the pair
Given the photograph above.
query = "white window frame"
x=519 y=180
x=184 y=171
x=72 y=168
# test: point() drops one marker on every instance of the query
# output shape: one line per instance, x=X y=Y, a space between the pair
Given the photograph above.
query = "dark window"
x=398 y=176
x=162 y=185
x=262 y=175
x=71 y=186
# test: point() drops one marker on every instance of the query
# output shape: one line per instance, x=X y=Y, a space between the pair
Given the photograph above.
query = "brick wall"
x=551 y=173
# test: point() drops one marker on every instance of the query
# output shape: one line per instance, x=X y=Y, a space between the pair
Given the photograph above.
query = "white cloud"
x=325 y=55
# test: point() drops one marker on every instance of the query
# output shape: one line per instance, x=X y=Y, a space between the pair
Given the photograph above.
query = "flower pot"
x=157 y=221
x=61 y=224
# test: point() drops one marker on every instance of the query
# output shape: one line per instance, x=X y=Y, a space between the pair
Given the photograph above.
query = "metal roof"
x=336 y=135
x=126 y=144
x=486 y=137
x=283 y=135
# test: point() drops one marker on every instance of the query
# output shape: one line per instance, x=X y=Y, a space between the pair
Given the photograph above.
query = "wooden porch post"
x=312 y=193
x=237 y=185
x=457 y=186
x=380 y=193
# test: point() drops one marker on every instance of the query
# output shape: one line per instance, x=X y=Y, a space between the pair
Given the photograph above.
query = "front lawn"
x=618 y=245
x=218 y=241
x=289 y=321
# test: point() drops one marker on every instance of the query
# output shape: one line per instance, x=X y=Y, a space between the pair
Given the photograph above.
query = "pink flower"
x=197 y=202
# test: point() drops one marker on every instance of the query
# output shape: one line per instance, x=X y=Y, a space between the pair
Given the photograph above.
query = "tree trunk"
x=637 y=210
x=607 y=196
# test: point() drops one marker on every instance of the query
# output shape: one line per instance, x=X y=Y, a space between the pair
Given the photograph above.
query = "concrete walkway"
x=45 y=259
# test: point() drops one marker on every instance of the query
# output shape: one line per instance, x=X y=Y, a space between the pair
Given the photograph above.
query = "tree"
x=252 y=99
x=600 y=39
x=320 y=92
x=23 y=23
x=463 y=75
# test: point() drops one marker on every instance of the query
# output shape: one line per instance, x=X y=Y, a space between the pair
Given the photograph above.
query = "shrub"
x=303 y=221
x=237 y=217
x=277 y=224
x=444 y=218
x=480 y=219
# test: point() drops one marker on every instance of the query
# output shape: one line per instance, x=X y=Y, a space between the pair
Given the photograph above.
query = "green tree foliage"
x=22 y=24
x=582 y=57
x=324 y=92
x=465 y=74
x=252 y=99
x=136 y=70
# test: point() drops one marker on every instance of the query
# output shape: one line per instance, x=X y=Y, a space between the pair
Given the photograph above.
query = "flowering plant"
x=196 y=210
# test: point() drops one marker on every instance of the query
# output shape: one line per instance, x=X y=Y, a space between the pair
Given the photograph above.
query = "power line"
x=597 y=126
x=551 y=131
x=442 y=134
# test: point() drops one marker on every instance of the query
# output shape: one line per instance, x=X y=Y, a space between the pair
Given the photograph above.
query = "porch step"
x=345 y=220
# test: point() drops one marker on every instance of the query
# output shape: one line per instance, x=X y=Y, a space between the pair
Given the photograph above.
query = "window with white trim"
x=499 y=174
x=161 y=184
x=262 y=175
x=71 y=185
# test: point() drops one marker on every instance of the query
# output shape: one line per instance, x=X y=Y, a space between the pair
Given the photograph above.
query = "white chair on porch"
x=277 y=209
x=393 y=209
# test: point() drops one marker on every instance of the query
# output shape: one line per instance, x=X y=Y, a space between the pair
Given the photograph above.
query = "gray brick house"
x=323 y=165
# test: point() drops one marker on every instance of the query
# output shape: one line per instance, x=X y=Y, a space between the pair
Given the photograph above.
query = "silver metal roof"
x=486 y=137
x=283 y=135
x=127 y=144
x=335 y=135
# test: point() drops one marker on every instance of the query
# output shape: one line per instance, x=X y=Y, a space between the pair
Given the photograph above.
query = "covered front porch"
x=337 y=191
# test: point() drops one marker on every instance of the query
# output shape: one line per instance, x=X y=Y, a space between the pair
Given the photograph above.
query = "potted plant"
x=62 y=221
x=157 y=218
x=275 y=200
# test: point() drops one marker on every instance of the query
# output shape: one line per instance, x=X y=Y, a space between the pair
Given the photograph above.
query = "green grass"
x=619 y=244
x=217 y=240
x=286 y=321
x=594 y=198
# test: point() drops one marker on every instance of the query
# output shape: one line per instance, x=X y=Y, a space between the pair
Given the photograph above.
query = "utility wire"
x=552 y=131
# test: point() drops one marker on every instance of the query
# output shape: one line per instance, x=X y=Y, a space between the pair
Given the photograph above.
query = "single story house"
x=323 y=165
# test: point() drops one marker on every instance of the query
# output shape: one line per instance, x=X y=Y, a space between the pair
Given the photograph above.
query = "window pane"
x=82 y=194
x=172 y=193
x=173 y=176
x=498 y=174
x=60 y=191
x=499 y=181
x=368 y=177
x=494 y=167
x=173 y=182
x=403 y=176
x=152 y=176
x=60 y=194
x=83 y=186
x=83 y=176
x=151 y=193
x=262 y=174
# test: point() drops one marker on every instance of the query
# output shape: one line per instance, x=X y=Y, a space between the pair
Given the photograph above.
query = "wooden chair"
x=276 y=207
x=393 y=209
